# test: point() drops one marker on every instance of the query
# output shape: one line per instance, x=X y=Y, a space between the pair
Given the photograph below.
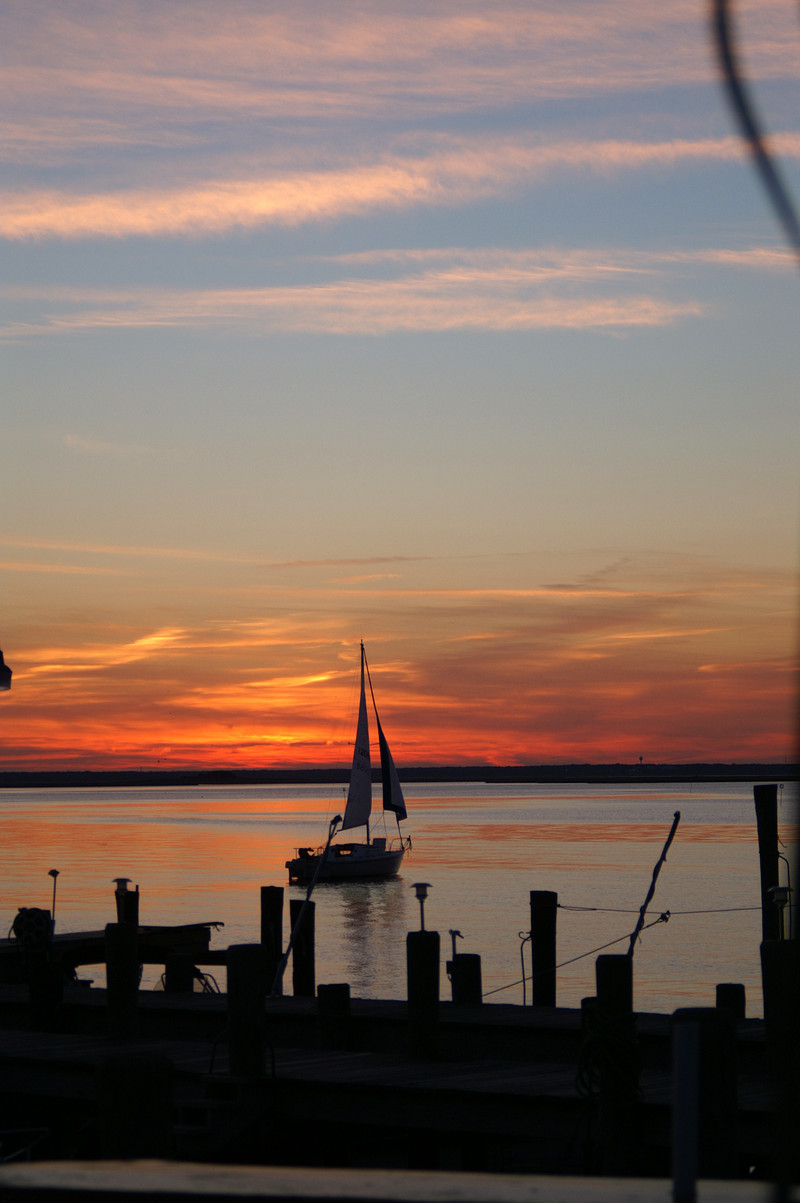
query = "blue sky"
x=462 y=328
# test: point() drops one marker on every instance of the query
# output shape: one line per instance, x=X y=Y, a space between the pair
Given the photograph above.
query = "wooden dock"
x=163 y=1182
x=75 y=950
x=509 y=1090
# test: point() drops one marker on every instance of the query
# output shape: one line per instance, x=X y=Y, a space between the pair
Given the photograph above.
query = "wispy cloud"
x=449 y=175
x=97 y=447
x=57 y=569
x=497 y=291
x=418 y=290
x=201 y=63
x=195 y=553
x=44 y=660
x=359 y=307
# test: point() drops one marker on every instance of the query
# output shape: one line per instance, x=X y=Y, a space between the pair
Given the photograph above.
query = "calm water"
x=201 y=854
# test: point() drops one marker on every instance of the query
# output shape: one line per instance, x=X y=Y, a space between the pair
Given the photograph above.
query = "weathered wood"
x=122 y=979
x=334 y=1010
x=179 y=972
x=127 y=903
x=685 y=1105
x=272 y=929
x=503 y=1090
x=716 y=1089
x=732 y=995
x=197 y=1183
x=301 y=913
x=465 y=979
x=74 y=949
x=780 y=967
x=766 y=802
x=618 y=1064
x=544 y=905
x=248 y=984
x=422 y=966
x=136 y=1098
x=45 y=987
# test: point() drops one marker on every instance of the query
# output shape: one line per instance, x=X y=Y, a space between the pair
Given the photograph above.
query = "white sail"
x=359 y=795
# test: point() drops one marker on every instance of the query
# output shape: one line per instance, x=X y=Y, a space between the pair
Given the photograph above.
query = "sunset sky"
x=460 y=327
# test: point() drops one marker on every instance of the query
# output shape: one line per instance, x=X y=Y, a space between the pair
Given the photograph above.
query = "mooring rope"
x=616 y=910
x=664 y=917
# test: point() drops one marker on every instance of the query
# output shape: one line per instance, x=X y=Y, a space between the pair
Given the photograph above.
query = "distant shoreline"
x=566 y=774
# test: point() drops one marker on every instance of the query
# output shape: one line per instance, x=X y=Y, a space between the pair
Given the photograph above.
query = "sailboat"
x=375 y=856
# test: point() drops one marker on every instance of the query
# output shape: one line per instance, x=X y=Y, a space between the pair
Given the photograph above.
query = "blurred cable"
x=749 y=124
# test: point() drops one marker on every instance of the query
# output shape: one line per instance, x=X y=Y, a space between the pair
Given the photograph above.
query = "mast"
x=359 y=795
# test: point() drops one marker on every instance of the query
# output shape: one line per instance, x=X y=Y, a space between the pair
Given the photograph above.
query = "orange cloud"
x=576 y=671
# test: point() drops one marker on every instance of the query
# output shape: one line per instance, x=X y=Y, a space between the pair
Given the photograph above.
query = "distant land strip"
x=489 y=774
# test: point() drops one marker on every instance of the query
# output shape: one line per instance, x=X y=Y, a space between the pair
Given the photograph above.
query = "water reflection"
x=201 y=855
x=363 y=926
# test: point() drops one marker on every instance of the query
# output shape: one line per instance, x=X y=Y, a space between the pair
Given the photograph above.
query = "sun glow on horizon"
x=573 y=672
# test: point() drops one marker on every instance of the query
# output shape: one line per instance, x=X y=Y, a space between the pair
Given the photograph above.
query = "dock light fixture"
x=421 y=888
x=5 y=674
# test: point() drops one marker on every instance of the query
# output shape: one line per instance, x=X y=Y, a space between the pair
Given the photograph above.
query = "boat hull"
x=346 y=862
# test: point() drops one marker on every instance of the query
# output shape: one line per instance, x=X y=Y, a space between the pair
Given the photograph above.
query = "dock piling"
x=301 y=914
x=766 y=803
x=685 y=1104
x=422 y=964
x=732 y=996
x=780 y=969
x=544 y=904
x=717 y=1154
x=136 y=1104
x=248 y=983
x=465 y=979
x=272 y=929
x=127 y=902
x=179 y=972
x=333 y=1010
x=617 y=1058
x=122 y=979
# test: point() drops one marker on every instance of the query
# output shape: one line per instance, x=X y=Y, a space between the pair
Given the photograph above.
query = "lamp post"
x=421 y=888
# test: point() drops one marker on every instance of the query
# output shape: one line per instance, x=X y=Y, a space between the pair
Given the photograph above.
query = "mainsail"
x=359 y=795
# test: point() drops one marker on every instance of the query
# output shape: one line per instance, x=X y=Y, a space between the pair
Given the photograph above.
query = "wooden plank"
x=208 y=1184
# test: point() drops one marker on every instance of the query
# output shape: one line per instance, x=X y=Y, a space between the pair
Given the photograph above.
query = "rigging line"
x=749 y=125
x=664 y=917
x=612 y=910
x=640 y=924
